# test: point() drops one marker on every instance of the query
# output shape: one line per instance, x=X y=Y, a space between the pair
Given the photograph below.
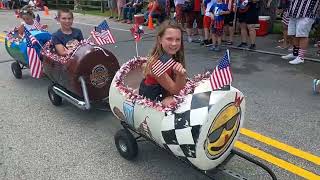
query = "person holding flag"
x=165 y=73
x=102 y=34
x=221 y=75
x=35 y=64
x=65 y=39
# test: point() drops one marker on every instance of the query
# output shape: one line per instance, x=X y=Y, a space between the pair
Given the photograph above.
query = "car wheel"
x=16 y=70
x=54 y=98
x=126 y=144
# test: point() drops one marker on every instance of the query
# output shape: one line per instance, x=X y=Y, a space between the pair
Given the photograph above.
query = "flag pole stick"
x=137 y=48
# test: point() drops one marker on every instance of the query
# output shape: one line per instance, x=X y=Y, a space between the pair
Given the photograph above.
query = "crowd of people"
x=17 y=4
x=213 y=20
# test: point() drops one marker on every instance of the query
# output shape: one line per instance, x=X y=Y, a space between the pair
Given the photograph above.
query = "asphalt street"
x=41 y=141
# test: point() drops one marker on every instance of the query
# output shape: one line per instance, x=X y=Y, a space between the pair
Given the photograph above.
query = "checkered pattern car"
x=202 y=130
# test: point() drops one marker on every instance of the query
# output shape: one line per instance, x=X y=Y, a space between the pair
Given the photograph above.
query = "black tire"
x=54 y=98
x=126 y=144
x=16 y=70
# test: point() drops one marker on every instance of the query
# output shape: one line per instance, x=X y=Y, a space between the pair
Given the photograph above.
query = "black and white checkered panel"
x=180 y=130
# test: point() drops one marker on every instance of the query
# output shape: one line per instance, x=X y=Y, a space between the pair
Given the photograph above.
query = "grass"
x=106 y=13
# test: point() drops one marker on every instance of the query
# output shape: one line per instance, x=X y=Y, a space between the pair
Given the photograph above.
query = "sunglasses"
x=215 y=135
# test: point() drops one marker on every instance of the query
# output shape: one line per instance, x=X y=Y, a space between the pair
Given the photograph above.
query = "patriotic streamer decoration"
x=102 y=34
x=221 y=75
x=34 y=61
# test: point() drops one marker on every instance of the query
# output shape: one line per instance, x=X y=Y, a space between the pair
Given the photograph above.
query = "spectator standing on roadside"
x=180 y=15
x=284 y=8
x=120 y=4
x=113 y=8
x=228 y=21
x=302 y=14
x=217 y=10
x=195 y=15
x=248 y=18
x=207 y=21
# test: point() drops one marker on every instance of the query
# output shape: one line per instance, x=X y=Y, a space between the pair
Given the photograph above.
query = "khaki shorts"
x=300 y=27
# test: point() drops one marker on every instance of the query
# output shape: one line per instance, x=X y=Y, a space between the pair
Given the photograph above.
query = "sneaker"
x=203 y=42
x=297 y=60
x=243 y=45
x=111 y=17
x=189 y=39
x=288 y=56
x=229 y=43
x=252 y=47
x=316 y=86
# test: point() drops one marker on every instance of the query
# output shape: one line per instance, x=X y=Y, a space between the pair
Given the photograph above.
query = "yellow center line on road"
x=276 y=161
x=279 y=145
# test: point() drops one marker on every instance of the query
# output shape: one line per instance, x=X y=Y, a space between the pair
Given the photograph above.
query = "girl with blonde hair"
x=165 y=73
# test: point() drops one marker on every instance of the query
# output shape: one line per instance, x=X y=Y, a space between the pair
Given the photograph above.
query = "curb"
x=269 y=52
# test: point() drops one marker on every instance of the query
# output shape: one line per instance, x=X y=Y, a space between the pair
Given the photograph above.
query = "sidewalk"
x=268 y=45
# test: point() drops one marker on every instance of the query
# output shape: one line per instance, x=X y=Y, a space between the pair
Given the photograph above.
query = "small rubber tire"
x=126 y=144
x=54 y=98
x=16 y=70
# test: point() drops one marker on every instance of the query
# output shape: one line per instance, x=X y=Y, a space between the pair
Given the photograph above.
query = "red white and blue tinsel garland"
x=129 y=93
x=46 y=51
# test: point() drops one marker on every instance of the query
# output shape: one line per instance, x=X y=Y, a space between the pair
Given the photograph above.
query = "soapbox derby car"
x=17 y=49
x=82 y=78
x=200 y=129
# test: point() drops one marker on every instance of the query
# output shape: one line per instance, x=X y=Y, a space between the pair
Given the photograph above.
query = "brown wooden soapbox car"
x=82 y=78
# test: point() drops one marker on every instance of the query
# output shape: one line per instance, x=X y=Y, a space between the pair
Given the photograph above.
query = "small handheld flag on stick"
x=102 y=34
x=164 y=63
x=37 y=22
x=221 y=75
x=34 y=61
x=137 y=33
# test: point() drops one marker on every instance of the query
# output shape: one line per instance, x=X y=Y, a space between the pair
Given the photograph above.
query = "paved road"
x=40 y=141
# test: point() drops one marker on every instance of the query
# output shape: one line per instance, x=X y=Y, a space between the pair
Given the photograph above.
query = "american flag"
x=34 y=61
x=164 y=63
x=221 y=75
x=102 y=34
x=136 y=32
x=37 y=23
x=28 y=35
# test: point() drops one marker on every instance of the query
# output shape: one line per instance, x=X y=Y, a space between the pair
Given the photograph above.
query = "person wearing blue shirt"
x=67 y=37
x=217 y=11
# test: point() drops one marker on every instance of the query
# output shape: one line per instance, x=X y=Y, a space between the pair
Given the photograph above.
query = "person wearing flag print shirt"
x=66 y=36
x=217 y=11
x=165 y=73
